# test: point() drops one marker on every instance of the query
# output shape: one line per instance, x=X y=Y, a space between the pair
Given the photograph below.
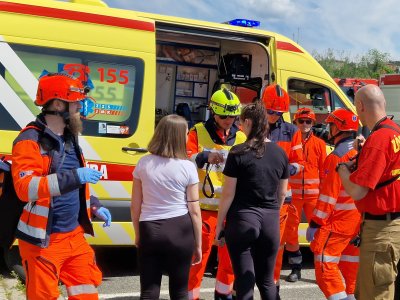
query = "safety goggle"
x=225 y=117
x=301 y=121
x=273 y=112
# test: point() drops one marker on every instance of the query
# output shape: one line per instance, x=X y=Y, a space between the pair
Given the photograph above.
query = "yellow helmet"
x=225 y=103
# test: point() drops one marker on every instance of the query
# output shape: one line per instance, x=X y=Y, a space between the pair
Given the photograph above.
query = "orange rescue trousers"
x=69 y=259
x=225 y=277
x=287 y=211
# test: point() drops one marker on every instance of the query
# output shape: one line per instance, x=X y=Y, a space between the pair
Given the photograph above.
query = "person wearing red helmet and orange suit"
x=335 y=221
x=305 y=186
x=287 y=136
x=49 y=174
x=208 y=145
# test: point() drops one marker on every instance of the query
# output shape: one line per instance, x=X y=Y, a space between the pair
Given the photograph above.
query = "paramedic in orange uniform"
x=287 y=136
x=208 y=146
x=305 y=186
x=49 y=174
x=376 y=188
x=335 y=220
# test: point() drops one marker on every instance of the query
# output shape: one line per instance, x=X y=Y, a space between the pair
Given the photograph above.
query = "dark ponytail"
x=259 y=131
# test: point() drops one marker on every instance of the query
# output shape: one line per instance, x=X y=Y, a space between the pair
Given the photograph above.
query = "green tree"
x=340 y=65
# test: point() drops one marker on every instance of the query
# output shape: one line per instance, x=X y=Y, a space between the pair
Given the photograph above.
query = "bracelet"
x=193 y=201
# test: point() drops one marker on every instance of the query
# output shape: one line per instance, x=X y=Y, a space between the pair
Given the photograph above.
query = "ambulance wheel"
x=14 y=262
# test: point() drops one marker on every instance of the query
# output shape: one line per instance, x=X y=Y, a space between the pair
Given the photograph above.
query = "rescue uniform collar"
x=377 y=124
x=343 y=140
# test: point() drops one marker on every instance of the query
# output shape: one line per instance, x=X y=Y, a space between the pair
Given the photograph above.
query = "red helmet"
x=344 y=119
x=59 y=86
x=304 y=113
x=275 y=98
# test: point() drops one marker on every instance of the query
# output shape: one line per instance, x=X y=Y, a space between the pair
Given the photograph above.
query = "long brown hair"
x=259 y=131
x=169 y=139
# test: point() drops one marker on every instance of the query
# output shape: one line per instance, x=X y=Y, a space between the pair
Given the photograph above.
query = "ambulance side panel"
x=117 y=51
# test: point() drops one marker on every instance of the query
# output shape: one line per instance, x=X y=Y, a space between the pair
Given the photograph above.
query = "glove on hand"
x=310 y=233
x=88 y=175
x=103 y=214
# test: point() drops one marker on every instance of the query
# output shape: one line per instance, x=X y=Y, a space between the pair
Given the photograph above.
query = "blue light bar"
x=244 y=23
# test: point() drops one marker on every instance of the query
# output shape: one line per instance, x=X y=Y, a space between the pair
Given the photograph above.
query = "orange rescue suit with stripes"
x=35 y=155
x=335 y=209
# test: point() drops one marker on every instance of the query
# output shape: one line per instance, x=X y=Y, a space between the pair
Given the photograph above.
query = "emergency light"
x=244 y=23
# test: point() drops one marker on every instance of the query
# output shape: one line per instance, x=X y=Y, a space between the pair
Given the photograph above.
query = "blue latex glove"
x=310 y=233
x=103 y=214
x=88 y=175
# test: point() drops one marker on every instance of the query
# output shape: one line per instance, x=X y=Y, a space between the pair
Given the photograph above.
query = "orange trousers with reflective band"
x=334 y=257
x=225 y=277
x=69 y=259
x=292 y=226
x=288 y=210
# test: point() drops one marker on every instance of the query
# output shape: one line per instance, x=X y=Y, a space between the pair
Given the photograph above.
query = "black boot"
x=294 y=259
x=218 y=296
x=294 y=276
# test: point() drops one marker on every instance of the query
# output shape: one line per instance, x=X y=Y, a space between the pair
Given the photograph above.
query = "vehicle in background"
x=351 y=85
x=390 y=86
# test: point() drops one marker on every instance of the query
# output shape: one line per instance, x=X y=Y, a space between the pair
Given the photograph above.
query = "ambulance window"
x=309 y=94
x=114 y=102
x=337 y=103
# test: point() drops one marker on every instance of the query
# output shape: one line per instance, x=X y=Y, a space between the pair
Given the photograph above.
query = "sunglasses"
x=272 y=112
x=225 y=117
x=304 y=121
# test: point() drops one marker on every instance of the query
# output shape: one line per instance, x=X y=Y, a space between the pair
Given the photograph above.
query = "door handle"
x=140 y=150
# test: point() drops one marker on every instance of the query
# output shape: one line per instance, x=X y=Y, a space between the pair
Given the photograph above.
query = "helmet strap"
x=64 y=114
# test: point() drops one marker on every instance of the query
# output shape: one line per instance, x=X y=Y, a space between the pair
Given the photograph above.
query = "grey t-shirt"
x=164 y=182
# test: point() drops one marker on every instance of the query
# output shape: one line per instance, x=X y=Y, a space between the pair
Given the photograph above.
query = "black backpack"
x=10 y=206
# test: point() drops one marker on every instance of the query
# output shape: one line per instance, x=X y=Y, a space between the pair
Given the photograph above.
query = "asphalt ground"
x=121 y=279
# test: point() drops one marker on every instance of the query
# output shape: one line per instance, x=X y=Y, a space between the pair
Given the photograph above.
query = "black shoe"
x=294 y=276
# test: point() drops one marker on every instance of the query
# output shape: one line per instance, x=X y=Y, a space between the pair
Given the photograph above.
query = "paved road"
x=121 y=280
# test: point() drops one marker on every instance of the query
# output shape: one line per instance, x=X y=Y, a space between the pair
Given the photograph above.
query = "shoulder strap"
x=389 y=127
x=393 y=179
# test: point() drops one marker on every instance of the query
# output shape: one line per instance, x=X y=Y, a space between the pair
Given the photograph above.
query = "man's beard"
x=75 y=124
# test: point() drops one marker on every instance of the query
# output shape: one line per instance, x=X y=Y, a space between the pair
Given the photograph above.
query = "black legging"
x=252 y=237
x=168 y=245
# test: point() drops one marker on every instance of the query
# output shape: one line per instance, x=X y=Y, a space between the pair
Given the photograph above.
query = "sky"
x=348 y=27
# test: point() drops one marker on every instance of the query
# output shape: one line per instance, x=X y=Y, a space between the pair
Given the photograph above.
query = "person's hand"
x=103 y=214
x=348 y=166
x=215 y=158
x=88 y=175
x=310 y=233
x=219 y=237
x=197 y=256
x=359 y=142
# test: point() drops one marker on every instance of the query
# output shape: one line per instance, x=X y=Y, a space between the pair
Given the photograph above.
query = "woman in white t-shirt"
x=165 y=211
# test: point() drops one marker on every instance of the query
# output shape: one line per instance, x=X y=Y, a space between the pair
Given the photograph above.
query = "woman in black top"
x=256 y=176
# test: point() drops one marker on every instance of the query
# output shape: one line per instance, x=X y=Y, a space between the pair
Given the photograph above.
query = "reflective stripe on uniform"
x=345 y=206
x=327 y=258
x=320 y=214
x=223 y=288
x=338 y=296
x=33 y=188
x=343 y=193
x=194 y=294
x=327 y=199
x=305 y=181
x=39 y=210
x=53 y=185
x=31 y=231
x=350 y=258
x=295 y=147
x=81 y=289
x=306 y=191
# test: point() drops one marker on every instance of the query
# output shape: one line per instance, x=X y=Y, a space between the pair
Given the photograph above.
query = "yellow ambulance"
x=141 y=66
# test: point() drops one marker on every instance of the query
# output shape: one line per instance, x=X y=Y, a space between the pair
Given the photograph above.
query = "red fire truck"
x=390 y=86
x=351 y=85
